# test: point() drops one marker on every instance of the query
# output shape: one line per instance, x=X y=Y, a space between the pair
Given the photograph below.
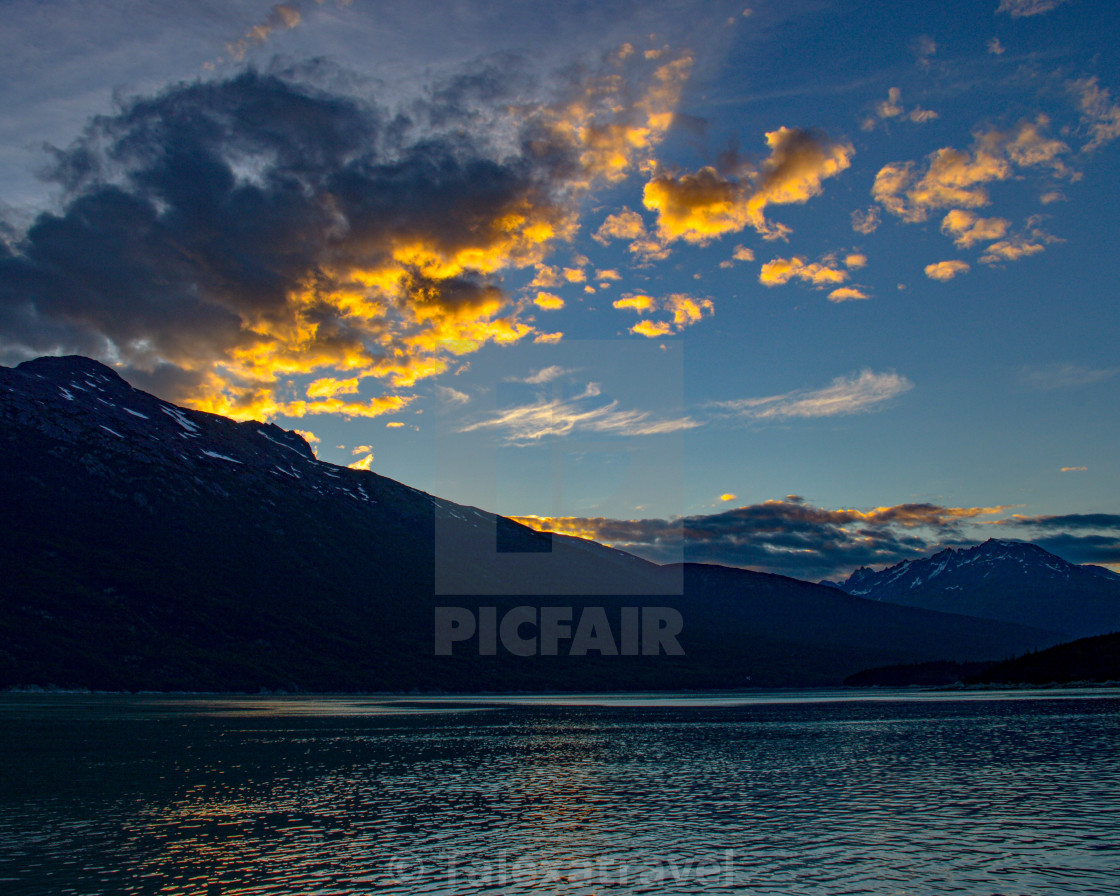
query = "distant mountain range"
x=148 y=546
x=1012 y=581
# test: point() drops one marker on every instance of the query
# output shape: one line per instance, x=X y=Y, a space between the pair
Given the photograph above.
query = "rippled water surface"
x=901 y=793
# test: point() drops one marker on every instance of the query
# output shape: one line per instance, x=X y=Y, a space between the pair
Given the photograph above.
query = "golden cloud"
x=639 y=303
x=846 y=294
x=624 y=225
x=946 y=270
x=1010 y=250
x=364 y=464
x=966 y=229
x=652 y=329
x=548 y=301
x=704 y=205
x=781 y=270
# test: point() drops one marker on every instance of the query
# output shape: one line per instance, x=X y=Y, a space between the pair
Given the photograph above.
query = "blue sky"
x=798 y=286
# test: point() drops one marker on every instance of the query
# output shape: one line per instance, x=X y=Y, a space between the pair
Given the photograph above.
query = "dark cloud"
x=789 y=537
x=1070 y=521
x=269 y=224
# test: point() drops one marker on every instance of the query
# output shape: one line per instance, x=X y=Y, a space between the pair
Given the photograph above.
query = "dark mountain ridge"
x=147 y=546
x=1013 y=581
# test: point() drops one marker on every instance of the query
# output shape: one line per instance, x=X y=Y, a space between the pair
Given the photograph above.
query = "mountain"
x=148 y=546
x=1011 y=581
x=1087 y=659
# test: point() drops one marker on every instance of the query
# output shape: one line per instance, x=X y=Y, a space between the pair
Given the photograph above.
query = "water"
x=900 y=793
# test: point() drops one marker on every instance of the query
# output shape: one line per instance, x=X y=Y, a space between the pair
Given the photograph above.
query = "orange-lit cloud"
x=624 y=225
x=652 y=329
x=364 y=464
x=892 y=107
x=640 y=303
x=548 y=301
x=847 y=294
x=966 y=229
x=946 y=270
x=855 y=260
x=685 y=310
x=728 y=496
x=1010 y=250
x=1098 y=112
x=781 y=270
x=866 y=221
x=956 y=179
x=394 y=424
x=289 y=294
x=282 y=17
x=707 y=204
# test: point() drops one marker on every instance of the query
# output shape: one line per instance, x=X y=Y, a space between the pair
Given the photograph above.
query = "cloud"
x=966 y=229
x=781 y=270
x=728 y=496
x=892 y=107
x=1077 y=537
x=1073 y=470
x=846 y=294
x=394 y=424
x=1010 y=250
x=1018 y=9
x=946 y=270
x=364 y=464
x=866 y=221
x=451 y=396
x=546 y=375
x=639 y=302
x=855 y=260
x=652 y=329
x=1098 y=112
x=684 y=309
x=548 y=301
x=223 y=239
x=282 y=17
x=995 y=47
x=548 y=338
x=707 y=204
x=789 y=537
x=742 y=253
x=624 y=225
x=953 y=178
x=864 y=392
x=1050 y=377
x=562 y=417
x=308 y=436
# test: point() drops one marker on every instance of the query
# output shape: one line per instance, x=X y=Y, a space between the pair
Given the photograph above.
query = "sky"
x=794 y=286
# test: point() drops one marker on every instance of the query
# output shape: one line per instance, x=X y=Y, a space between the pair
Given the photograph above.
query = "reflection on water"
x=898 y=794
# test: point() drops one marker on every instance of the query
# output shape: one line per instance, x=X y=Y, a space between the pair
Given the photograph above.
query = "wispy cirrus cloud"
x=864 y=392
x=1064 y=375
x=1019 y=9
x=584 y=412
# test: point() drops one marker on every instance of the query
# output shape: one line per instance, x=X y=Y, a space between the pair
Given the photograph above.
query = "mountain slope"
x=1004 y=580
x=149 y=546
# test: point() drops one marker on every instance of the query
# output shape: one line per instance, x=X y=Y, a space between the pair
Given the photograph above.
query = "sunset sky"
x=800 y=286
